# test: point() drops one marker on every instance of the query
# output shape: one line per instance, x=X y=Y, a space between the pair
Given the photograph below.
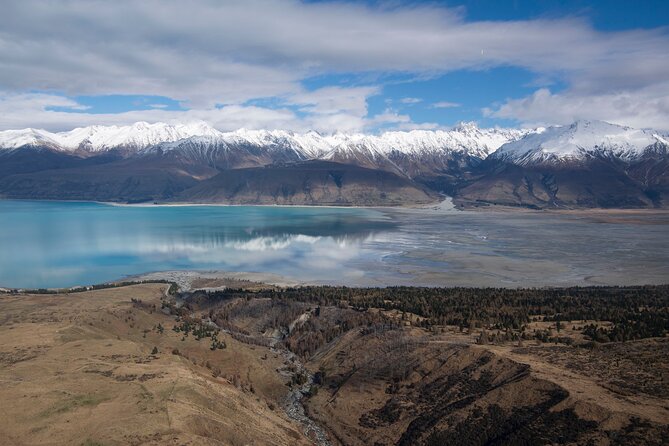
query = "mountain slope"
x=579 y=141
x=121 y=181
x=411 y=153
x=34 y=159
x=587 y=164
x=309 y=183
x=598 y=183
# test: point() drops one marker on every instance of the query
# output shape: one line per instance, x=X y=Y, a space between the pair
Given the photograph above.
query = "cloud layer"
x=642 y=108
x=214 y=57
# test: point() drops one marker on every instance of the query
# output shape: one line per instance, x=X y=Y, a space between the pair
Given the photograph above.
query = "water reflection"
x=48 y=244
x=64 y=244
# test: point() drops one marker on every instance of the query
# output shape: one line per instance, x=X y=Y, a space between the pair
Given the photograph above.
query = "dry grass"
x=78 y=369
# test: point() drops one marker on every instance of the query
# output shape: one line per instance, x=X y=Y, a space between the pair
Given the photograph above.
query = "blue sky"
x=608 y=15
x=334 y=65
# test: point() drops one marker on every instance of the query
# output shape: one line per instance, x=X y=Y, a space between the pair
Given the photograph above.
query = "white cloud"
x=410 y=101
x=445 y=104
x=643 y=108
x=206 y=54
x=268 y=44
x=330 y=110
x=35 y=110
x=333 y=100
x=390 y=117
x=406 y=126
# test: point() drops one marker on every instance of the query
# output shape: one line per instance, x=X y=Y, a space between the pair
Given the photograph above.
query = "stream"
x=293 y=402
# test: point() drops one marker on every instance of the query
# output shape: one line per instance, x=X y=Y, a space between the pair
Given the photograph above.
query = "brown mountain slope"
x=595 y=184
x=44 y=174
x=125 y=181
x=308 y=183
x=29 y=159
x=379 y=379
x=408 y=388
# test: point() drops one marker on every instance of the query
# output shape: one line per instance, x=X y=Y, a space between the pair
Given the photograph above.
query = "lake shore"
x=188 y=280
x=447 y=204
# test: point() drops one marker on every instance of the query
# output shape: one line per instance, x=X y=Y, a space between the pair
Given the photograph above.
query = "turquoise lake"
x=59 y=244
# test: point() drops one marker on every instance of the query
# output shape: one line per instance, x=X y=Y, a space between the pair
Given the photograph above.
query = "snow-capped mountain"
x=586 y=164
x=409 y=153
x=279 y=144
x=141 y=135
x=465 y=138
x=580 y=141
x=13 y=139
x=97 y=138
x=421 y=151
x=395 y=148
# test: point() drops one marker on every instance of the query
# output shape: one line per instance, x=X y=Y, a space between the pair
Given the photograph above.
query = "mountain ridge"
x=142 y=135
x=519 y=146
x=586 y=164
x=574 y=142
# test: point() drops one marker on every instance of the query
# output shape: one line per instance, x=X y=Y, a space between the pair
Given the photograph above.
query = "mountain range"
x=586 y=164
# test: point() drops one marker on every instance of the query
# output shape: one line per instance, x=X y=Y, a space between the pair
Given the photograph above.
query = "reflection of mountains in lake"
x=268 y=230
x=250 y=242
x=331 y=225
x=281 y=241
x=63 y=244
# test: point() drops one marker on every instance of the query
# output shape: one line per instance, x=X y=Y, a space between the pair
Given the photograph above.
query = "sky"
x=333 y=66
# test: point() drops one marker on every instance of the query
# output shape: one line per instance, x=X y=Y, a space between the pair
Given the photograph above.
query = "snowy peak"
x=554 y=144
x=136 y=136
x=579 y=141
x=100 y=138
x=466 y=137
x=13 y=139
x=302 y=146
x=367 y=150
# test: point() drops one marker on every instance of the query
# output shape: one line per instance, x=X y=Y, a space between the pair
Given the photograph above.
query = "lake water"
x=58 y=244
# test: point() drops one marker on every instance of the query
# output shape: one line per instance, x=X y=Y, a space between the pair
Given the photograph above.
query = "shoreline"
x=447 y=204
x=216 y=280
x=434 y=205
x=190 y=204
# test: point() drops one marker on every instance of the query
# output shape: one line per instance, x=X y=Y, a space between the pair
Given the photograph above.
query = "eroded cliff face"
x=405 y=389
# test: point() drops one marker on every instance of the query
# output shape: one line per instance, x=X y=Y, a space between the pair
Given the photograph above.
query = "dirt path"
x=587 y=389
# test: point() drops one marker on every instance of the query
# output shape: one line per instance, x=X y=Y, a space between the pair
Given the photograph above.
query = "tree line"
x=634 y=312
